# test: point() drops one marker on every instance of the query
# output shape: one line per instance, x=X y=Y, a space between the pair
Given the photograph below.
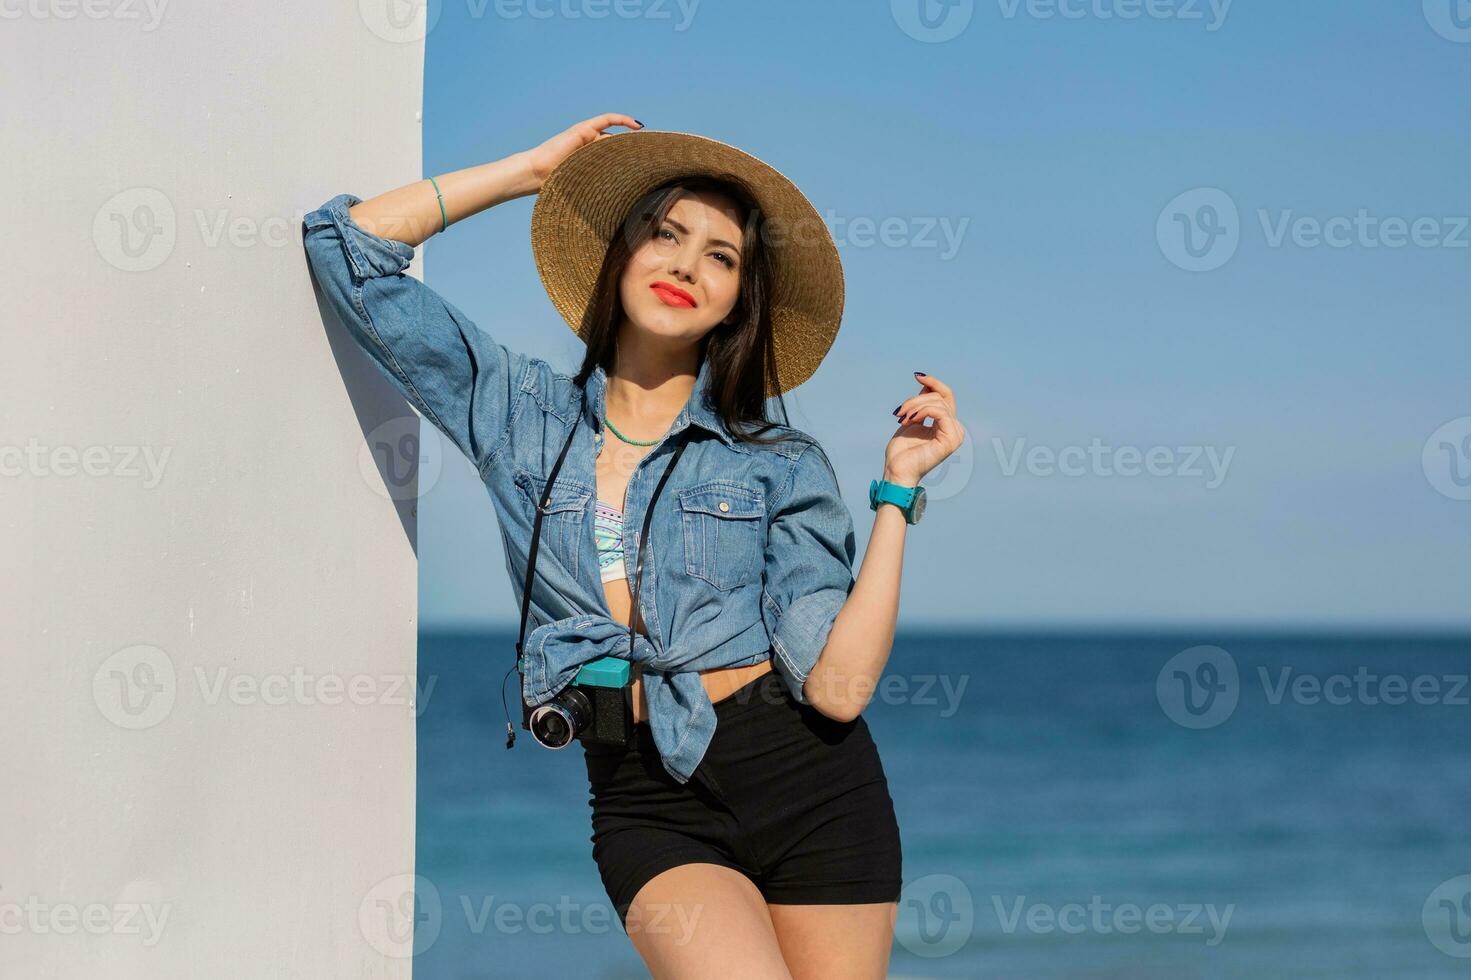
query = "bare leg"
x=703 y=921
x=849 y=941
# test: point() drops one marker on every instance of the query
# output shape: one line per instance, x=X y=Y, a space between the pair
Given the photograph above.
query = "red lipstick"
x=672 y=295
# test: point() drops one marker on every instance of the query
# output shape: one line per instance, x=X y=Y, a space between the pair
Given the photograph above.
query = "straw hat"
x=581 y=202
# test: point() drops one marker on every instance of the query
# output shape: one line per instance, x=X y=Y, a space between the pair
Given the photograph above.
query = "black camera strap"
x=546 y=501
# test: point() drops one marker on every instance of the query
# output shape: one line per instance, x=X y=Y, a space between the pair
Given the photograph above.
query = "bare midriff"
x=719 y=682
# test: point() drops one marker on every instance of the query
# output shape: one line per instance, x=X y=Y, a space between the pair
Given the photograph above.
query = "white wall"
x=186 y=498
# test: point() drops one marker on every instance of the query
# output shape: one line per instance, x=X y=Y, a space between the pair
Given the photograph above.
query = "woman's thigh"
x=849 y=941
x=702 y=920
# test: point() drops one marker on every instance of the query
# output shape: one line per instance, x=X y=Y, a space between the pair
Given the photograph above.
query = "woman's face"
x=685 y=279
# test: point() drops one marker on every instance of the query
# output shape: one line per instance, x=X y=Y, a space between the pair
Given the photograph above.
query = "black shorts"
x=790 y=798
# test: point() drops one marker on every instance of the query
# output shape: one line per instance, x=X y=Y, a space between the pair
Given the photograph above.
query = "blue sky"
x=1037 y=173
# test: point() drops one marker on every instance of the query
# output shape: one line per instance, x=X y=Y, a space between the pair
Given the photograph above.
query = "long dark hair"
x=742 y=355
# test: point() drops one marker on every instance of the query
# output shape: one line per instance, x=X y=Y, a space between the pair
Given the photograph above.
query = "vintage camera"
x=596 y=708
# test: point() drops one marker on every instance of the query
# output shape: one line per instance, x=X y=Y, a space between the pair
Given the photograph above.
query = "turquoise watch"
x=910 y=500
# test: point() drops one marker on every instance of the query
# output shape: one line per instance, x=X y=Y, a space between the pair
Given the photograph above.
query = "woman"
x=747 y=820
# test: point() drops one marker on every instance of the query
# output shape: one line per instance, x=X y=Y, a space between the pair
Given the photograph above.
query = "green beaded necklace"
x=625 y=438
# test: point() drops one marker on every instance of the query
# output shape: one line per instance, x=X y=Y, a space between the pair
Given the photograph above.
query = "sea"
x=1093 y=804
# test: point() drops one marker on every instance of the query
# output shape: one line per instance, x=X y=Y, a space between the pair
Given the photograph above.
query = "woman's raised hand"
x=544 y=158
x=916 y=448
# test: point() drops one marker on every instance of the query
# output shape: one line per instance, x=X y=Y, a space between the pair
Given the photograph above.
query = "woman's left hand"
x=917 y=448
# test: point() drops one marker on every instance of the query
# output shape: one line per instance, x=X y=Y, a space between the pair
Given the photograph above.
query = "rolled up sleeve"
x=453 y=373
x=809 y=566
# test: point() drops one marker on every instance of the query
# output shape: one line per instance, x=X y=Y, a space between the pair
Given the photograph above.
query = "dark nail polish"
x=920 y=374
x=640 y=125
x=896 y=409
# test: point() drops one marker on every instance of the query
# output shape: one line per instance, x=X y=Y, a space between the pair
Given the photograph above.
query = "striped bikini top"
x=608 y=532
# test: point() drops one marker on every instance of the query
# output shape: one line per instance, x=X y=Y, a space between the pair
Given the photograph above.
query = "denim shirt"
x=750 y=549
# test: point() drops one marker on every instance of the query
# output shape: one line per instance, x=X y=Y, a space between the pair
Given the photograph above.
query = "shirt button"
x=724 y=506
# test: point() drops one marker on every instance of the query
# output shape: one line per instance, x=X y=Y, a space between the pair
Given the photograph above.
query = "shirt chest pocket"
x=563 y=507
x=724 y=526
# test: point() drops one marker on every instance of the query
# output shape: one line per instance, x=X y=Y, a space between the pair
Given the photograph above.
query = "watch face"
x=918 y=504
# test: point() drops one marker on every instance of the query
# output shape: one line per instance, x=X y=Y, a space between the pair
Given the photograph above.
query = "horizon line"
x=1449 y=629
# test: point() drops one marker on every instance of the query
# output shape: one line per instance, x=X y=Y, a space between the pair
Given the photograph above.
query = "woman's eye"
x=666 y=234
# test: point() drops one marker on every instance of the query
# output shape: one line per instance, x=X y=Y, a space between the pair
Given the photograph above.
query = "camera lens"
x=556 y=723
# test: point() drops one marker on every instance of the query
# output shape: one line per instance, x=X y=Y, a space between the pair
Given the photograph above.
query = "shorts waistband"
x=764 y=692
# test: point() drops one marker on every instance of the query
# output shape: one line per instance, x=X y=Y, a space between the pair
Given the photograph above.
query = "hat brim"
x=582 y=201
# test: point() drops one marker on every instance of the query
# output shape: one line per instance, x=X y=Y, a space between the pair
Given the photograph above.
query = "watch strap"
x=882 y=491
